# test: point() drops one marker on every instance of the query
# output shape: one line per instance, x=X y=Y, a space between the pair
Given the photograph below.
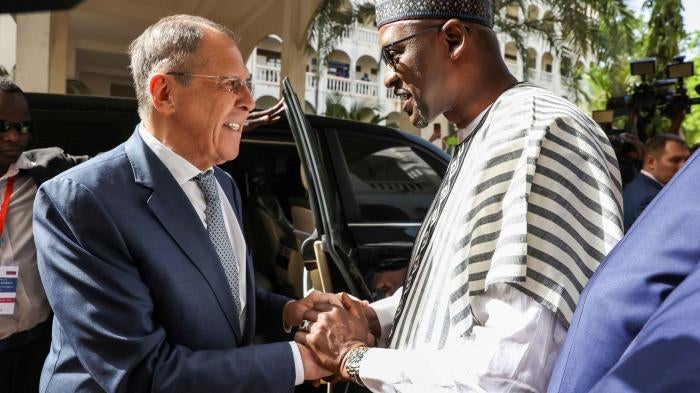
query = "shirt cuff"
x=287 y=329
x=385 y=310
x=298 y=364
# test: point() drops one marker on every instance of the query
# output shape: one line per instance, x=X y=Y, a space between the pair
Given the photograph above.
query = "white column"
x=8 y=42
x=293 y=45
x=42 y=48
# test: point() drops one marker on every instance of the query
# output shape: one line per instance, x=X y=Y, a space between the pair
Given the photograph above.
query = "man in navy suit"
x=141 y=249
x=665 y=154
x=636 y=326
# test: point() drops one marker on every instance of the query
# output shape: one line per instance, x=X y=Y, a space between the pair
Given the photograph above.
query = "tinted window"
x=392 y=181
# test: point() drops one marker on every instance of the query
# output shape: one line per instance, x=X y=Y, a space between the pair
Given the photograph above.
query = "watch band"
x=352 y=363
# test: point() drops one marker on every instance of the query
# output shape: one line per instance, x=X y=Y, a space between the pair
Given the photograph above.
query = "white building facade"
x=353 y=75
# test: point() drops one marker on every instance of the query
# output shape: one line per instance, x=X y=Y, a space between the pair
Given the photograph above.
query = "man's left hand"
x=293 y=312
x=334 y=330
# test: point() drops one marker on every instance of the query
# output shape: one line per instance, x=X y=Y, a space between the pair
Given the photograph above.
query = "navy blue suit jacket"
x=141 y=302
x=637 y=196
x=638 y=320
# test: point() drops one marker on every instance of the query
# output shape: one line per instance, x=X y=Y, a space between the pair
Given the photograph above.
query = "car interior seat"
x=271 y=233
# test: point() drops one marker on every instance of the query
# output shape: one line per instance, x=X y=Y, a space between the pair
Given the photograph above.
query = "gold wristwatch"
x=352 y=363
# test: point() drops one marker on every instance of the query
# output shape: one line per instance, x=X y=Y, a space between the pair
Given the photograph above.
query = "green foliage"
x=335 y=107
x=357 y=112
x=665 y=30
x=575 y=28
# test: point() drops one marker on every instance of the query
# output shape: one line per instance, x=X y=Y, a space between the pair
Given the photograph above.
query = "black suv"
x=368 y=190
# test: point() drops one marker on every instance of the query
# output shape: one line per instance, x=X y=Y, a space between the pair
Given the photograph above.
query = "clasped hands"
x=334 y=324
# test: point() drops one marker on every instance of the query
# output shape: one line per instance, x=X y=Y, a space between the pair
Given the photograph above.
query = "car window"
x=392 y=180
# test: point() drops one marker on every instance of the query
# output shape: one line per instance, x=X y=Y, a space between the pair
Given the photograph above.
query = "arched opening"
x=533 y=13
x=265 y=102
x=511 y=52
x=339 y=64
x=531 y=58
x=512 y=12
x=269 y=52
x=338 y=79
x=265 y=63
x=547 y=62
x=366 y=69
x=548 y=21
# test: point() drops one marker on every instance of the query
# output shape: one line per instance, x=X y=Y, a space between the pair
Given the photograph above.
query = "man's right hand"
x=334 y=331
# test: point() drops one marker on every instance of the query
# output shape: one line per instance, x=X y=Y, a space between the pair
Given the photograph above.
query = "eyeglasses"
x=232 y=84
x=386 y=49
x=22 y=127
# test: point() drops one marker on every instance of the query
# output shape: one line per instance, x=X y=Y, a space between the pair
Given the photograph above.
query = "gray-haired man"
x=141 y=249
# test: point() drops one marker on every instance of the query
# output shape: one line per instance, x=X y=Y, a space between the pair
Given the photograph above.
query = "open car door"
x=330 y=257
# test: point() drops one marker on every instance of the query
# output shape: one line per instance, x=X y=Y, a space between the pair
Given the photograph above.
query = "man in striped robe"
x=529 y=206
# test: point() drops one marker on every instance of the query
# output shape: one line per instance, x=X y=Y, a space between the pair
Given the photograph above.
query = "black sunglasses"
x=22 y=127
x=385 y=52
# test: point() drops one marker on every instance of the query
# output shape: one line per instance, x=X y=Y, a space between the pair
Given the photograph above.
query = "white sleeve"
x=298 y=364
x=514 y=350
x=385 y=310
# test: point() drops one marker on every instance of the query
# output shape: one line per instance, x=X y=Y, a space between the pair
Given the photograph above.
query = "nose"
x=245 y=100
x=11 y=135
x=390 y=77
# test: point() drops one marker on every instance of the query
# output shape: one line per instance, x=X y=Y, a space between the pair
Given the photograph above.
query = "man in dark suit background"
x=665 y=154
x=141 y=249
x=25 y=327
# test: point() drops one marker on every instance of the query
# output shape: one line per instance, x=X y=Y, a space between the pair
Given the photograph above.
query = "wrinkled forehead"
x=392 y=32
x=219 y=53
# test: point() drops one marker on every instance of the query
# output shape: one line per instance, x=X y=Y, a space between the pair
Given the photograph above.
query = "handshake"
x=331 y=326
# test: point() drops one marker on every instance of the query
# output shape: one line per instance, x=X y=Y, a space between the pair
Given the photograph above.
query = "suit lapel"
x=177 y=216
x=233 y=198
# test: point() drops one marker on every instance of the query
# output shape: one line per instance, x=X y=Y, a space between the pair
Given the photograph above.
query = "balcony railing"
x=369 y=89
x=310 y=80
x=545 y=76
x=267 y=75
x=366 y=36
x=390 y=94
x=337 y=84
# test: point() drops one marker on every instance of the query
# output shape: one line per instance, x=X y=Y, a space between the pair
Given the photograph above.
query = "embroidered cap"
x=479 y=11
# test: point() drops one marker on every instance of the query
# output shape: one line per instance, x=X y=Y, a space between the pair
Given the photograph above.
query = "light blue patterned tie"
x=217 y=232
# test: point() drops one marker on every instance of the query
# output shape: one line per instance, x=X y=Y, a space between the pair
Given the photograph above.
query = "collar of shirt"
x=466 y=131
x=649 y=175
x=22 y=163
x=181 y=169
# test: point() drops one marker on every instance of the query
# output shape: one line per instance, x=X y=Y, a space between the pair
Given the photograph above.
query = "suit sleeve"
x=268 y=318
x=670 y=338
x=105 y=310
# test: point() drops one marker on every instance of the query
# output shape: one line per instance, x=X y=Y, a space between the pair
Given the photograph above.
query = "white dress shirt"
x=183 y=171
x=649 y=175
x=514 y=350
x=31 y=307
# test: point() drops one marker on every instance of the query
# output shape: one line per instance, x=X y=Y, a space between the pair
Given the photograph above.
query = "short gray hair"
x=167 y=45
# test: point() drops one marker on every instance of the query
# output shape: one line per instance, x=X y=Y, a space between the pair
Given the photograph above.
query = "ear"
x=456 y=37
x=160 y=89
x=649 y=162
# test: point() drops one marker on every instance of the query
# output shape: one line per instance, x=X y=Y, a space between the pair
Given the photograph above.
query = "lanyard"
x=6 y=202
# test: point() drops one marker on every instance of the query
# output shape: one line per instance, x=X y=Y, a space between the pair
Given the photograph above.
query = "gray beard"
x=421 y=119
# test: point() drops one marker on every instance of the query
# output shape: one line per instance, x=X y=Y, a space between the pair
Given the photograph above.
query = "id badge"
x=9 y=276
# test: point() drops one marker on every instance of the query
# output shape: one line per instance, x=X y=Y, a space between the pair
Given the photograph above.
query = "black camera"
x=667 y=96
